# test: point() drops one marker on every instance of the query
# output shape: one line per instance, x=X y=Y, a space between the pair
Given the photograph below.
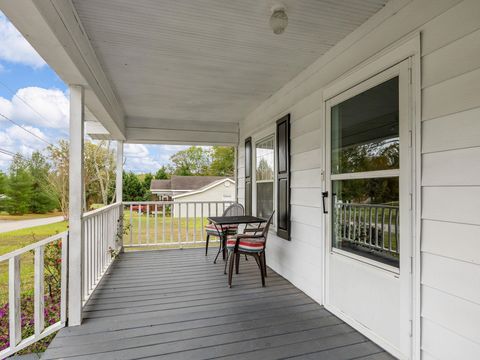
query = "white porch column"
x=119 y=184
x=76 y=188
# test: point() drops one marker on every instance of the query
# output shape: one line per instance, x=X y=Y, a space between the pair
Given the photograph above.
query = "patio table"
x=220 y=221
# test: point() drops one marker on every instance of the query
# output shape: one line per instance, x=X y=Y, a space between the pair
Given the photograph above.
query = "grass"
x=17 y=239
x=6 y=216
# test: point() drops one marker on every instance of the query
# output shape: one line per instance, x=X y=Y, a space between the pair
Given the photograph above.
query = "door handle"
x=324 y=195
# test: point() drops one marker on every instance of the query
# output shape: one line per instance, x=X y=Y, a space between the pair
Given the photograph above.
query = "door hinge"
x=411 y=264
x=410 y=333
x=410 y=138
x=410 y=75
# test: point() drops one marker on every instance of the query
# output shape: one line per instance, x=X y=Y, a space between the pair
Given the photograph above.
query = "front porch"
x=175 y=304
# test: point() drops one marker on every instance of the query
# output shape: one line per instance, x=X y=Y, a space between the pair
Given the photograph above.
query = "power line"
x=23 y=100
x=6 y=152
x=28 y=131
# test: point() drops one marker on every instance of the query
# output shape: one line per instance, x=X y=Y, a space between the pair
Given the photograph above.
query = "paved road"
x=11 y=225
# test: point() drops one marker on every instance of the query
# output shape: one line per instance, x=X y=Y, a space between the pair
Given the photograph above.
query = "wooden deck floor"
x=175 y=304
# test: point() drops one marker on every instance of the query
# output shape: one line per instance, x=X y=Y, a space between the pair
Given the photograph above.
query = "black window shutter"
x=283 y=177
x=248 y=176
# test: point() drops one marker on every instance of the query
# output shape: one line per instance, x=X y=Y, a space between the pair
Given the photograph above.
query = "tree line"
x=39 y=183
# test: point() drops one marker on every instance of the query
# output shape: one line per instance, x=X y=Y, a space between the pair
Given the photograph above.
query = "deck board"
x=176 y=305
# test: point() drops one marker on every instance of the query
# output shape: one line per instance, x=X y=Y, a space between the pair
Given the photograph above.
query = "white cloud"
x=14 y=48
x=17 y=140
x=139 y=159
x=46 y=107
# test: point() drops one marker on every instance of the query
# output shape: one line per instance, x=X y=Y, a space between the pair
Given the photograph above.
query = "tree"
x=58 y=177
x=42 y=199
x=133 y=189
x=19 y=188
x=99 y=172
x=147 y=180
x=162 y=173
x=192 y=161
x=223 y=161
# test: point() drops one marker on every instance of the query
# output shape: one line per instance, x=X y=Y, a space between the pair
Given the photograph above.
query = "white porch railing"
x=374 y=227
x=14 y=293
x=101 y=241
x=169 y=223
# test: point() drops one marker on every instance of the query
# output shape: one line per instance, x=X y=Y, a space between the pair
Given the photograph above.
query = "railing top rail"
x=175 y=202
x=367 y=205
x=33 y=246
x=100 y=211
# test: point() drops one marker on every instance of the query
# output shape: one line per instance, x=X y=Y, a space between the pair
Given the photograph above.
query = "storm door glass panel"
x=365 y=148
x=264 y=176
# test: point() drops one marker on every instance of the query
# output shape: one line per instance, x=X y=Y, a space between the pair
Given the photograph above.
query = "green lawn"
x=17 y=239
x=167 y=233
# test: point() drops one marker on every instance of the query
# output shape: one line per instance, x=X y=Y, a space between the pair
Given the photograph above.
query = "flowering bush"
x=52 y=271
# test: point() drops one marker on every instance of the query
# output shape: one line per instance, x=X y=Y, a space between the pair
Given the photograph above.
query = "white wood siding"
x=450 y=237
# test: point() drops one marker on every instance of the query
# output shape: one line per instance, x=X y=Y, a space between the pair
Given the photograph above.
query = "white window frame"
x=259 y=137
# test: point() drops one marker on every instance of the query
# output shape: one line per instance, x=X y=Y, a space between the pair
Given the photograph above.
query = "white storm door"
x=368 y=205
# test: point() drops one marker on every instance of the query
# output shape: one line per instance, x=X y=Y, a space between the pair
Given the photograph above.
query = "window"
x=365 y=170
x=264 y=176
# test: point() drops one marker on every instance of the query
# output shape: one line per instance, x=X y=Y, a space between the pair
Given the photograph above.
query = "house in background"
x=185 y=186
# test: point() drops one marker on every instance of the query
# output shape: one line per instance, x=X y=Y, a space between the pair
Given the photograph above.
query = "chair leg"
x=206 y=245
x=230 y=268
x=237 y=264
x=264 y=263
x=226 y=263
x=262 y=269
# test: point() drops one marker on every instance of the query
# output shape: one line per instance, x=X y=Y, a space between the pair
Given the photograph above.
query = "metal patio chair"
x=225 y=230
x=251 y=243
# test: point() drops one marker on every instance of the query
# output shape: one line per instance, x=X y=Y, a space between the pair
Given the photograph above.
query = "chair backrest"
x=267 y=226
x=234 y=210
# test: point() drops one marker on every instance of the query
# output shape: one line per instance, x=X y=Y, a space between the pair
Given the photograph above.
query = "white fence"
x=374 y=227
x=101 y=240
x=150 y=223
x=14 y=295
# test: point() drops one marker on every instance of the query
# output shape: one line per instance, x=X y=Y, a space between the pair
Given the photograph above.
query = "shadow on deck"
x=175 y=304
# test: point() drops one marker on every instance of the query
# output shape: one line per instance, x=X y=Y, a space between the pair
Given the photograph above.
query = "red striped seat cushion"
x=230 y=229
x=246 y=244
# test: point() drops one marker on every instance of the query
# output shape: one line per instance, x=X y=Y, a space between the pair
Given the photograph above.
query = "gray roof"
x=184 y=183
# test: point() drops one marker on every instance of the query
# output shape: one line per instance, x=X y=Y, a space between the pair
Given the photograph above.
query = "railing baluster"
x=63 y=280
x=194 y=222
x=390 y=229
x=147 y=224
x=156 y=224
x=14 y=300
x=202 y=222
x=131 y=224
x=187 y=221
x=139 y=235
x=39 y=303
x=179 y=223
x=172 y=208
x=354 y=223
x=163 y=222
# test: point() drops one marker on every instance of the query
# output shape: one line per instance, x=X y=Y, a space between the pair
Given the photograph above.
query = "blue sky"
x=32 y=95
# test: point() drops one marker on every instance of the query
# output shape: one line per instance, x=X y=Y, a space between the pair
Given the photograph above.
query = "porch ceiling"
x=184 y=71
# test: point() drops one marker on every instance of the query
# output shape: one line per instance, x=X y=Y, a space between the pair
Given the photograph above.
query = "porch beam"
x=76 y=189
x=172 y=131
x=183 y=137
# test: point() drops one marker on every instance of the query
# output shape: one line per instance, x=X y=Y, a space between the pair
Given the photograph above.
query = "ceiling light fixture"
x=279 y=19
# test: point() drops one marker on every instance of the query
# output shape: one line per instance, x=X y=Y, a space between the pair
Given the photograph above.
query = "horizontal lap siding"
x=450 y=147
x=451 y=184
